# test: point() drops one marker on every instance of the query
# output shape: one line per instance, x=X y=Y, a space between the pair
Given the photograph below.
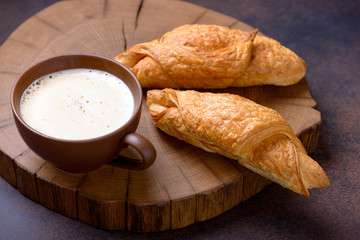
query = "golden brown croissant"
x=258 y=137
x=211 y=56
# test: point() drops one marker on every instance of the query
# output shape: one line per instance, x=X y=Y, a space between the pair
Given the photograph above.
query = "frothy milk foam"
x=77 y=104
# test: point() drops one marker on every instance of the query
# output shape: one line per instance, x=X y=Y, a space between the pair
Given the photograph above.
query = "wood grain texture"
x=185 y=184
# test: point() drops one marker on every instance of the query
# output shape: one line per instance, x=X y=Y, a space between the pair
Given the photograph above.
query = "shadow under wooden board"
x=185 y=184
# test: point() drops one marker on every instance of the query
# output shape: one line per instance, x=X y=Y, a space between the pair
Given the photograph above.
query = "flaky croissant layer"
x=258 y=137
x=211 y=56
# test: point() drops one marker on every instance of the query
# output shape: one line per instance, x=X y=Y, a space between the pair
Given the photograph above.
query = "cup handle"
x=145 y=149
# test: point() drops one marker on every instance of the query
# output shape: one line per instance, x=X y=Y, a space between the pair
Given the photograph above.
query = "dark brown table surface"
x=326 y=33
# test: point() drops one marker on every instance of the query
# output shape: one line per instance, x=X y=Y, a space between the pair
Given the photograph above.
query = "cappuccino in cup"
x=77 y=104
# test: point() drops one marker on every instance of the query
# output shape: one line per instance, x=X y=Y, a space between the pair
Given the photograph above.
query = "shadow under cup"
x=79 y=156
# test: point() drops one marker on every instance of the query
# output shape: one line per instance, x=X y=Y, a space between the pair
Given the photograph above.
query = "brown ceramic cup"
x=79 y=156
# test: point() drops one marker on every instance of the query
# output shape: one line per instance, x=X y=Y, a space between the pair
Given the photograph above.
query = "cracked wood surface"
x=186 y=184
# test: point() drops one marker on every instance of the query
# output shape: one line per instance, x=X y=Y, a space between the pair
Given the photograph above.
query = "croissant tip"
x=306 y=194
x=253 y=33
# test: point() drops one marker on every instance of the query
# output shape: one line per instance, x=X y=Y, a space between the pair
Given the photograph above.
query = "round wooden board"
x=185 y=184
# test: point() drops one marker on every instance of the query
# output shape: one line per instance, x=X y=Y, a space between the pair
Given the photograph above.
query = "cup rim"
x=101 y=137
